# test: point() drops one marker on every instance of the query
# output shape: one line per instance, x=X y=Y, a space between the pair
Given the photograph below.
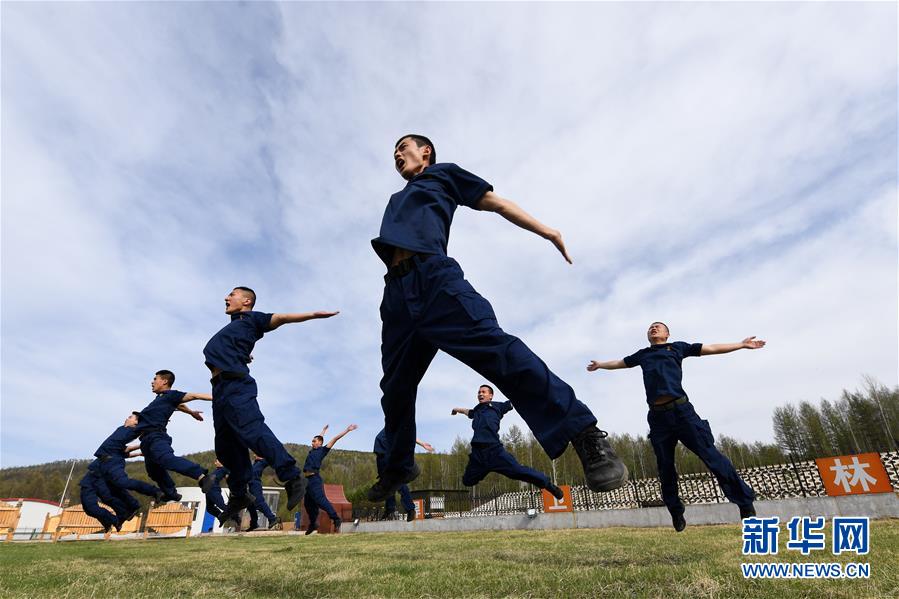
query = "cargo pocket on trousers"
x=471 y=301
x=705 y=430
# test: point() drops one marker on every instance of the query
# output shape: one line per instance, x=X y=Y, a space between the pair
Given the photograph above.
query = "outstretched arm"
x=610 y=365
x=459 y=411
x=196 y=414
x=279 y=319
x=725 y=348
x=193 y=396
x=516 y=215
x=331 y=443
x=427 y=446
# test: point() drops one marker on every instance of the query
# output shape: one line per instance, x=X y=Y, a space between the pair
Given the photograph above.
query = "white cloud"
x=729 y=168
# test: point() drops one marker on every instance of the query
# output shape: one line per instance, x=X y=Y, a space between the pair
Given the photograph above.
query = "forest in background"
x=859 y=421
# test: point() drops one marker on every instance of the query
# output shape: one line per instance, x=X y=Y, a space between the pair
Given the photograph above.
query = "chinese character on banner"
x=851 y=535
x=852 y=475
x=760 y=536
x=806 y=533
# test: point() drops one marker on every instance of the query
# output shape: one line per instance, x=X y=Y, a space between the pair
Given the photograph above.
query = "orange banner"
x=551 y=505
x=419 y=509
x=854 y=474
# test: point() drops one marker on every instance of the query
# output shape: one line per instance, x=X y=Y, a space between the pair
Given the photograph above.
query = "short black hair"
x=487 y=387
x=167 y=375
x=136 y=414
x=250 y=293
x=663 y=324
x=420 y=141
x=319 y=437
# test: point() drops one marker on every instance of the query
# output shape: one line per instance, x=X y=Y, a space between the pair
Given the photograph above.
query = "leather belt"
x=671 y=404
x=405 y=266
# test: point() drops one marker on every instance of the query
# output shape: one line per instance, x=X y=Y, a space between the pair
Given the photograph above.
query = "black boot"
x=296 y=489
x=678 y=521
x=603 y=469
x=555 y=491
x=389 y=483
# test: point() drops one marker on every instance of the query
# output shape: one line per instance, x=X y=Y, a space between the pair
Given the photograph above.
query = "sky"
x=729 y=169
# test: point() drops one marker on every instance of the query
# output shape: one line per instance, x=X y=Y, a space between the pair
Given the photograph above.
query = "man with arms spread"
x=315 y=492
x=428 y=305
x=672 y=417
x=380 y=451
x=156 y=444
x=239 y=424
x=487 y=451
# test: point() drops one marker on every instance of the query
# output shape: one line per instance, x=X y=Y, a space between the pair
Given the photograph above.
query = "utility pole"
x=66 y=488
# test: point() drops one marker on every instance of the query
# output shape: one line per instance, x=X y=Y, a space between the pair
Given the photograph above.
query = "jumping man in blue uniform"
x=259 y=503
x=315 y=491
x=380 y=451
x=156 y=444
x=107 y=481
x=487 y=451
x=672 y=417
x=238 y=421
x=215 y=503
x=428 y=306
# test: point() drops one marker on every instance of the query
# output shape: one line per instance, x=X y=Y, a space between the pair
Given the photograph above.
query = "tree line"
x=859 y=421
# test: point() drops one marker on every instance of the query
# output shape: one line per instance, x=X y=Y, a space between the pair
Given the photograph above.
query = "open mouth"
x=400 y=163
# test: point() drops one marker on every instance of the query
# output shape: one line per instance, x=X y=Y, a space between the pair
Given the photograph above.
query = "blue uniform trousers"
x=159 y=459
x=405 y=495
x=94 y=489
x=259 y=505
x=433 y=307
x=215 y=503
x=485 y=459
x=681 y=423
x=113 y=471
x=239 y=426
x=315 y=499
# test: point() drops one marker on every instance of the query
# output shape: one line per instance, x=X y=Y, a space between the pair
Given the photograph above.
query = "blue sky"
x=727 y=168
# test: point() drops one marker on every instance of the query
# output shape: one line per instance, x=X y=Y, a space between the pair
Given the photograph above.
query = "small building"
x=33 y=515
x=206 y=522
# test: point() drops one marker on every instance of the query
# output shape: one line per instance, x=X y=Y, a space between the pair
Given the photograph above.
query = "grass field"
x=615 y=562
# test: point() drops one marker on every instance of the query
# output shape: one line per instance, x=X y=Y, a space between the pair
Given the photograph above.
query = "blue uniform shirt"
x=156 y=415
x=313 y=461
x=258 y=467
x=229 y=350
x=381 y=442
x=485 y=419
x=661 y=366
x=419 y=216
x=115 y=444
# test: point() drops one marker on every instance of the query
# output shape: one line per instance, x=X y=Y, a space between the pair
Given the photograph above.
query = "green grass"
x=615 y=562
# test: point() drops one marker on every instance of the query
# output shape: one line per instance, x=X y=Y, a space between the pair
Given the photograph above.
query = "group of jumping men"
x=427 y=306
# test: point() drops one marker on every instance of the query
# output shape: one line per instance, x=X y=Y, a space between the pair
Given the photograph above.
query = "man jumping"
x=672 y=417
x=428 y=306
x=238 y=422
x=155 y=442
x=380 y=451
x=487 y=451
x=315 y=494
